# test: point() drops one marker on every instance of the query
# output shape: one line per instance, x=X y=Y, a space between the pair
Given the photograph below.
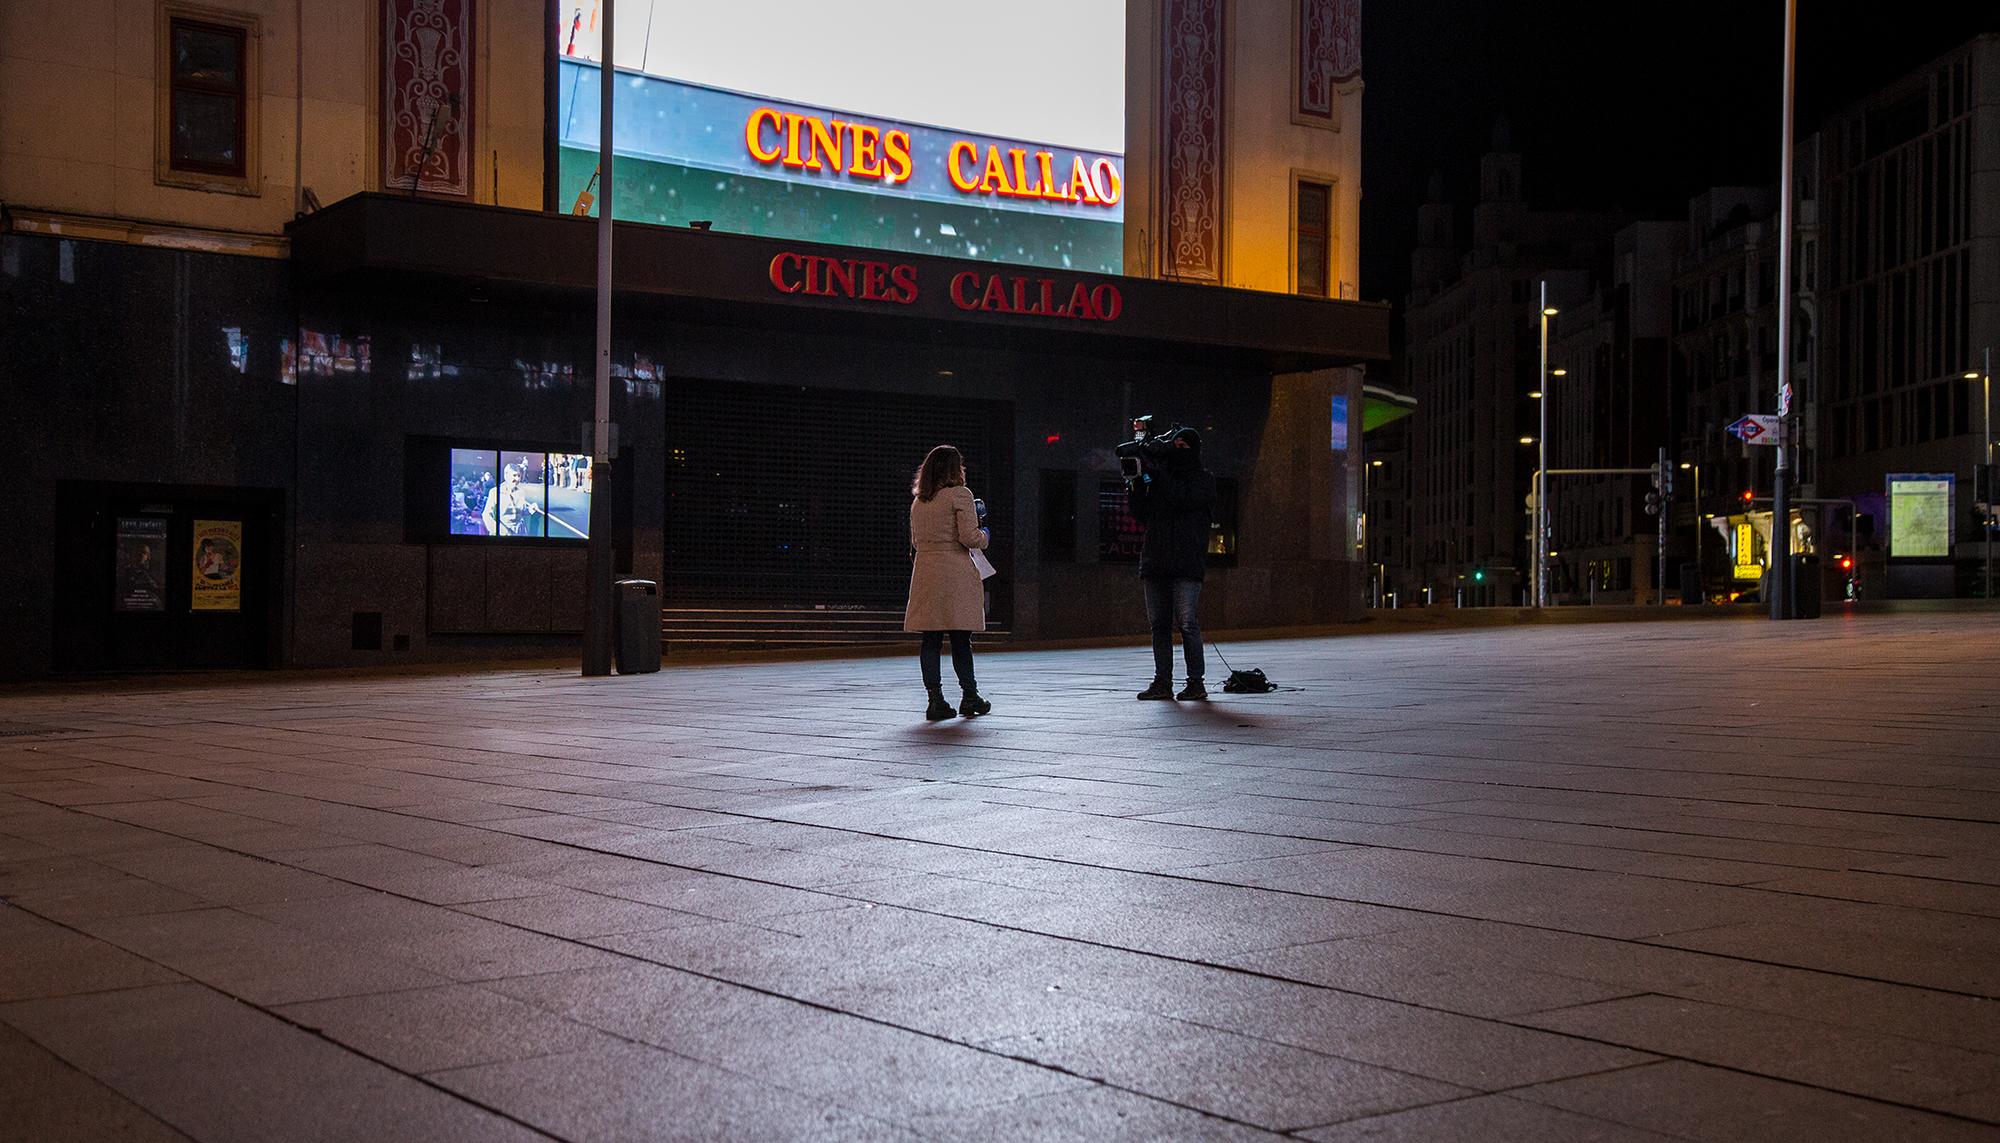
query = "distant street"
x=1677 y=880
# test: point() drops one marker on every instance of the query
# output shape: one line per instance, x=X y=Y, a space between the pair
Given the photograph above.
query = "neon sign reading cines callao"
x=868 y=280
x=868 y=152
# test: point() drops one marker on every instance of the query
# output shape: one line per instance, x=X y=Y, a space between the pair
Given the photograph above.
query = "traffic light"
x=1479 y=575
x=1653 y=503
x=1748 y=496
x=1845 y=563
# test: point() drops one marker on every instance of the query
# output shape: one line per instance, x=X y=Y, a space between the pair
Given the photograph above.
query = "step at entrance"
x=793 y=628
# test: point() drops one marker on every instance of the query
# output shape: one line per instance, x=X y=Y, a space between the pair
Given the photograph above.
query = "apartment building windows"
x=206 y=103
x=1312 y=236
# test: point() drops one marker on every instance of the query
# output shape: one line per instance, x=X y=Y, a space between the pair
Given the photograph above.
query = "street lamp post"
x=597 y=547
x=1986 y=456
x=1541 y=537
x=1368 y=530
x=1781 y=493
x=1699 y=525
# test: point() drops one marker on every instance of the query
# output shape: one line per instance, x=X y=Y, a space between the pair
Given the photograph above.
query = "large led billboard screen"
x=994 y=132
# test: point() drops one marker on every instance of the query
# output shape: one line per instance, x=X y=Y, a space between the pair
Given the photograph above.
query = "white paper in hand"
x=984 y=565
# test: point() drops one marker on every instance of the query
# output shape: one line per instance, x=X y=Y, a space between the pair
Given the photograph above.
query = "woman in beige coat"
x=946 y=595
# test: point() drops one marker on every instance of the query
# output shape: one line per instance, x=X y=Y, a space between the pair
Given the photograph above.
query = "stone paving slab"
x=1695 y=881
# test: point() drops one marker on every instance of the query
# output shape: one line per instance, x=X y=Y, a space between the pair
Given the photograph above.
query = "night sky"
x=1610 y=103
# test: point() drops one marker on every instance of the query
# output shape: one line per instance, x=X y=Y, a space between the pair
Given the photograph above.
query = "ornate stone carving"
x=1191 y=124
x=427 y=96
x=1329 y=46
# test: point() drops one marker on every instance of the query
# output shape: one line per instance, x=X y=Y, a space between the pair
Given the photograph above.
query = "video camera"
x=1145 y=445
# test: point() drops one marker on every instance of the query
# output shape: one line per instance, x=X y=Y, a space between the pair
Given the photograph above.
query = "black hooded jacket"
x=1175 y=500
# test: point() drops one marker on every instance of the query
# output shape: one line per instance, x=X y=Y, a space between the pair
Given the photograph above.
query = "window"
x=207 y=100
x=1314 y=237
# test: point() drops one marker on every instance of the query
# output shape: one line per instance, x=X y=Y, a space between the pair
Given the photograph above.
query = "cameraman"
x=1174 y=497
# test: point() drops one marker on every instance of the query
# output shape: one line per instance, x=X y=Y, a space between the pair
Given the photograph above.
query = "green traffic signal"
x=1478 y=575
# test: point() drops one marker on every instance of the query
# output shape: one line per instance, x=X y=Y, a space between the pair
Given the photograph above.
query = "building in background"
x=1908 y=272
x=311 y=272
x=1610 y=408
x=1470 y=348
x=1896 y=297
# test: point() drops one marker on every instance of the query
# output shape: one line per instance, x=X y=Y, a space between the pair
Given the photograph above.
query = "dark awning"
x=386 y=241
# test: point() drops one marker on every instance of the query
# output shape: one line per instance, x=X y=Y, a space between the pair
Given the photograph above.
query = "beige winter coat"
x=945 y=591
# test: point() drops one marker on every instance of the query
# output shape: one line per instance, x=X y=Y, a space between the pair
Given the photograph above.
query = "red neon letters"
x=844 y=277
x=1035 y=297
x=818 y=276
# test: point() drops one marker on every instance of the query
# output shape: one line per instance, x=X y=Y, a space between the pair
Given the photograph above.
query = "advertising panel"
x=1920 y=515
x=218 y=566
x=501 y=492
x=951 y=129
x=141 y=560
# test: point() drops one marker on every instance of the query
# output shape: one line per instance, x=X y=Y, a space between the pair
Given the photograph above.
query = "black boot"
x=972 y=706
x=939 y=708
x=1161 y=689
x=1193 y=692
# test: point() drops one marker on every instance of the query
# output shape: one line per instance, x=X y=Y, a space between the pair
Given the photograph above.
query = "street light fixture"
x=1367 y=529
x=1698 y=522
x=1541 y=538
x=1986 y=404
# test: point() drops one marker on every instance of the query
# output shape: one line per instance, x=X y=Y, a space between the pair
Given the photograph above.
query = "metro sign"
x=1755 y=429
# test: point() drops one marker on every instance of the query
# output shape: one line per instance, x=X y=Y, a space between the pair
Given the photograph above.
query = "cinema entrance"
x=786 y=507
x=772 y=399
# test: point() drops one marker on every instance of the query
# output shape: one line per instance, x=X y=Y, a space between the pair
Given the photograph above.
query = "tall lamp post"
x=1541 y=537
x=1781 y=492
x=1986 y=457
x=1699 y=525
x=597 y=551
x=1368 y=528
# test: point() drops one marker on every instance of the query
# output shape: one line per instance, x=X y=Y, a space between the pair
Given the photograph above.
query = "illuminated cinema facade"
x=385 y=395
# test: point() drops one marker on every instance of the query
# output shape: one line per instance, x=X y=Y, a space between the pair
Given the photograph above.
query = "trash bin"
x=1804 y=600
x=637 y=613
x=1691 y=593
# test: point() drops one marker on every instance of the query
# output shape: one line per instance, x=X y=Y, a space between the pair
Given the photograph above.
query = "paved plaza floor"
x=1712 y=881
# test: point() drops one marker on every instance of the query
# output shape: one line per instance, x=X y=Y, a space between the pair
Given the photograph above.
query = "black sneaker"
x=1159 y=690
x=1193 y=692
x=972 y=706
x=939 y=708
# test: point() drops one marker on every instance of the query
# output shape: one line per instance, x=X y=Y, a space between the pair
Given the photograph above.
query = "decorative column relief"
x=1191 y=141
x=1329 y=57
x=427 y=96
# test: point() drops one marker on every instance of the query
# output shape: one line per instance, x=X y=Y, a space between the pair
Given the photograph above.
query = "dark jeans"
x=961 y=660
x=1172 y=603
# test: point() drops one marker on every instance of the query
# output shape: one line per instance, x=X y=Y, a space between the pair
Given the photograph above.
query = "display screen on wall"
x=523 y=495
x=1920 y=515
x=970 y=131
